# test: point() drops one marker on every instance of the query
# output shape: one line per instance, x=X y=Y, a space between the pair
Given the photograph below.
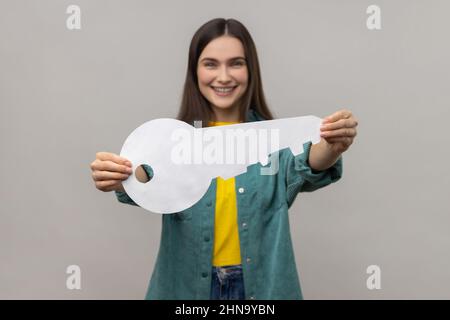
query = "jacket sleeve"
x=300 y=177
x=124 y=198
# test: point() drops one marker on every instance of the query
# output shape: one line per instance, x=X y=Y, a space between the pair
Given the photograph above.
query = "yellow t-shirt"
x=227 y=249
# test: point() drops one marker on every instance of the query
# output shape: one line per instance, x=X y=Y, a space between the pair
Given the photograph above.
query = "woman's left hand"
x=339 y=130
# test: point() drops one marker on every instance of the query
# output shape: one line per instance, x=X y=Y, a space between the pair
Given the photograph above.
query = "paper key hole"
x=144 y=173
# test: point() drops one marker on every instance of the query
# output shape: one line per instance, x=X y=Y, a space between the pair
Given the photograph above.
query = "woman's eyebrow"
x=215 y=60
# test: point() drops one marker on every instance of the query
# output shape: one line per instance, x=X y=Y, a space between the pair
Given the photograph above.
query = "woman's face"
x=222 y=73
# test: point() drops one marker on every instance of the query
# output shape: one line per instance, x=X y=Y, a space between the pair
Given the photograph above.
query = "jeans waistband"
x=228 y=271
x=228 y=268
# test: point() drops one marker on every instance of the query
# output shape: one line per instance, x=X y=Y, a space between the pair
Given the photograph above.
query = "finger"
x=112 y=166
x=341 y=114
x=111 y=188
x=345 y=140
x=342 y=123
x=345 y=132
x=108 y=156
x=107 y=175
x=105 y=184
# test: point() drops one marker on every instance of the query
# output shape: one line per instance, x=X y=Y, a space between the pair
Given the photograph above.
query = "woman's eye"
x=213 y=65
x=238 y=63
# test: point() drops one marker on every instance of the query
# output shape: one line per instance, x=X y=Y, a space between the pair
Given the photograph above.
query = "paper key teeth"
x=232 y=172
x=296 y=149
x=264 y=161
x=182 y=164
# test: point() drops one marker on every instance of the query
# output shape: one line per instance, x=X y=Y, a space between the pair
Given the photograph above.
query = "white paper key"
x=185 y=159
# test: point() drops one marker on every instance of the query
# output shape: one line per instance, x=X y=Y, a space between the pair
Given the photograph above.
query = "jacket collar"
x=252 y=116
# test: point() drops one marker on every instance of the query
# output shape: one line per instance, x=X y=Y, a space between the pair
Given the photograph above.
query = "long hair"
x=194 y=106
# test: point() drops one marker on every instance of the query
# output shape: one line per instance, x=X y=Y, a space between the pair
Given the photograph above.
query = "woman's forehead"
x=223 y=48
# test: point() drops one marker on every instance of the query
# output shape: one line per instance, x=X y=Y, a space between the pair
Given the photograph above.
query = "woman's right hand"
x=109 y=170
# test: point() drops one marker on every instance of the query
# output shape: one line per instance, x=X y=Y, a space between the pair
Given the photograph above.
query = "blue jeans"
x=227 y=283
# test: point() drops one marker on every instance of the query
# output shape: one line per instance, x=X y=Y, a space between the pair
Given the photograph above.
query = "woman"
x=235 y=242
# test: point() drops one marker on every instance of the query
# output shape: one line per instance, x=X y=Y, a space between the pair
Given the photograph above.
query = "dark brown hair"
x=194 y=106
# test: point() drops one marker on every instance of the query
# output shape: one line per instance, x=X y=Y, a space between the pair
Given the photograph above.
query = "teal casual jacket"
x=184 y=262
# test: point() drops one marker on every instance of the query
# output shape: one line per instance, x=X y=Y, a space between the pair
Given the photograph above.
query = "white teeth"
x=223 y=89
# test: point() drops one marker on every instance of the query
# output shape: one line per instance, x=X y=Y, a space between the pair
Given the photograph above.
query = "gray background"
x=65 y=95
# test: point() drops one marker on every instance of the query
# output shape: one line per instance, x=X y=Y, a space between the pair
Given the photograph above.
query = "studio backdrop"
x=77 y=77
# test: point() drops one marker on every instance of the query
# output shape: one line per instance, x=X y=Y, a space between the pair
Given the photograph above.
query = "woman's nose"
x=224 y=75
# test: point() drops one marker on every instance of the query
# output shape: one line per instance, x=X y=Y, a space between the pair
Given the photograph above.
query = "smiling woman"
x=234 y=243
x=223 y=79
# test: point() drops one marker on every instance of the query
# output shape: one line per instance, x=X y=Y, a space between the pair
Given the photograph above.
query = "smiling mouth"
x=223 y=91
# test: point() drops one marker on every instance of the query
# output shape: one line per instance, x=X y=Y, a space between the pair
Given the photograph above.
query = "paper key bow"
x=185 y=159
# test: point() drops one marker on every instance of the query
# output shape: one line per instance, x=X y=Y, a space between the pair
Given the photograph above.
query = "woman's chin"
x=223 y=106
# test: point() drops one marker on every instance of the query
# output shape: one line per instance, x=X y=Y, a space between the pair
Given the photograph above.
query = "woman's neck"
x=226 y=115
